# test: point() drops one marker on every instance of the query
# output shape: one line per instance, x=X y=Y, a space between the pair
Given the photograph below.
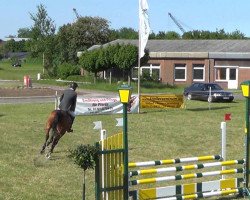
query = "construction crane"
x=176 y=22
x=76 y=13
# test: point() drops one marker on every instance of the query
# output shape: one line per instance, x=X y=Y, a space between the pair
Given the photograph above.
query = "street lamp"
x=245 y=86
x=125 y=94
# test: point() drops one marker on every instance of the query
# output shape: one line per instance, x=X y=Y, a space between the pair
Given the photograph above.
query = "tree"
x=126 y=33
x=161 y=35
x=172 y=35
x=217 y=35
x=84 y=156
x=122 y=57
x=13 y=46
x=43 y=24
x=43 y=38
x=66 y=53
x=237 y=35
x=24 y=33
x=94 y=61
x=126 y=58
x=79 y=36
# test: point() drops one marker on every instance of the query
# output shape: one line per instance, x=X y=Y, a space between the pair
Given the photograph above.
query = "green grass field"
x=153 y=135
x=30 y=67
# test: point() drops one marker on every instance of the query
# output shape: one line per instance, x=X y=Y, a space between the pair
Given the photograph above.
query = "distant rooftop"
x=15 y=39
x=194 y=48
x=192 y=45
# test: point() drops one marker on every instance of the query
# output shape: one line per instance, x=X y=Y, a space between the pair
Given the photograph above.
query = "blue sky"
x=192 y=14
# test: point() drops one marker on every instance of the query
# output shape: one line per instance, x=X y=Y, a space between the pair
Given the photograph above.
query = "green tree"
x=42 y=42
x=13 y=46
x=127 y=33
x=66 y=52
x=110 y=52
x=85 y=156
x=79 y=36
x=126 y=58
x=217 y=35
x=172 y=35
x=24 y=33
x=94 y=61
x=237 y=35
x=161 y=35
x=122 y=57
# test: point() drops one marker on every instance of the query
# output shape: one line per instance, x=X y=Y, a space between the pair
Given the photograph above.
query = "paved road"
x=37 y=99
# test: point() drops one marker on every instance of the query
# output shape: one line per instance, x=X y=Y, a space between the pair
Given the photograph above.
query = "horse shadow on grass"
x=213 y=107
x=40 y=160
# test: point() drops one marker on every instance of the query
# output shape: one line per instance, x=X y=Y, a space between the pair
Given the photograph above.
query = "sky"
x=210 y=15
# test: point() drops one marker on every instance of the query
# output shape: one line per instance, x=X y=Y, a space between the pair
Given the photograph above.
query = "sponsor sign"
x=106 y=105
x=162 y=101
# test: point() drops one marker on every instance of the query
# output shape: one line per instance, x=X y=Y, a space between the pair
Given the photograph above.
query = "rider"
x=68 y=102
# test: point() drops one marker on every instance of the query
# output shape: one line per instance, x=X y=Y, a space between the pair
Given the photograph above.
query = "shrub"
x=84 y=156
x=67 y=69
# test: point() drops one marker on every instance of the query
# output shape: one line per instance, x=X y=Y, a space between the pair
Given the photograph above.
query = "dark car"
x=210 y=92
x=16 y=65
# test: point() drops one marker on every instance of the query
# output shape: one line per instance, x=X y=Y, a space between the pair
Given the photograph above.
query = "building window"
x=180 y=72
x=198 y=72
x=151 y=72
x=220 y=74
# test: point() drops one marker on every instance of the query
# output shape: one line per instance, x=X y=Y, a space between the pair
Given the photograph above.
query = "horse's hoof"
x=48 y=155
x=42 y=151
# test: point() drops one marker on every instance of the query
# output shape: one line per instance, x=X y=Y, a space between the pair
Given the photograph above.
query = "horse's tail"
x=53 y=120
x=56 y=119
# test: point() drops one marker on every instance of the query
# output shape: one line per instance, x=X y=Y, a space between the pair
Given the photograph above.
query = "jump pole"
x=223 y=144
x=103 y=136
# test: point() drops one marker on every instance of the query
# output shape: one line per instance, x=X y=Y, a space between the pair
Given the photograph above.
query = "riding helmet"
x=73 y=85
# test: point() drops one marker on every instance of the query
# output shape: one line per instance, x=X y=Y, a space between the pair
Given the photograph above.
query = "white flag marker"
x=119 y=121
x=98 y=125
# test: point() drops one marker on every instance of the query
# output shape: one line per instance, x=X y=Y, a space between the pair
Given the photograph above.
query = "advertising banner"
x=162 y=101
x=106 y=105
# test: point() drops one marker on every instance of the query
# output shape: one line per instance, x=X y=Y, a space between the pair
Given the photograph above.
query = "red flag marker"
x=227 y=117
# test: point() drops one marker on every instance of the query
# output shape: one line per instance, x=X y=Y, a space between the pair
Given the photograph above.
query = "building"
x=16 y=39
x=226 y=62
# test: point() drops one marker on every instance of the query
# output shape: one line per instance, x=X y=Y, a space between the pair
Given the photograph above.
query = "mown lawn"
x=30 y=67
x=153 y=135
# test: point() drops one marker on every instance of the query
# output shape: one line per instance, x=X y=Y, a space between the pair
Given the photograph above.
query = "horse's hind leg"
x=54 y=143
x=48 y=139
x=45 y=143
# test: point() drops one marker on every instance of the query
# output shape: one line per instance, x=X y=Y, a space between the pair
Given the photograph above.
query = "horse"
x=57 y=124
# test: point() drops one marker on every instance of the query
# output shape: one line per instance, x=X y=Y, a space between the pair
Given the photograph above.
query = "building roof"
x=15 y=39
x=230 y=49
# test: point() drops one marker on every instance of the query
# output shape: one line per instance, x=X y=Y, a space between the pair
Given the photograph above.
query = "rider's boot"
x=70 y=128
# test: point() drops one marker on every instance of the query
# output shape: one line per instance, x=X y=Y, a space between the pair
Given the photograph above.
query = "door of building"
x=232 y=77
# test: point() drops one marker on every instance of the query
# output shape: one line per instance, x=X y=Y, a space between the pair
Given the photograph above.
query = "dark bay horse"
x=57 y=124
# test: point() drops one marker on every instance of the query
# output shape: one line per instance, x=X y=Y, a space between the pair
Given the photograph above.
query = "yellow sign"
x=162 y=101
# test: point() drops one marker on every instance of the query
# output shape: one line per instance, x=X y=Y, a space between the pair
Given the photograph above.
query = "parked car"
x=16 y=65
x=201 y=91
